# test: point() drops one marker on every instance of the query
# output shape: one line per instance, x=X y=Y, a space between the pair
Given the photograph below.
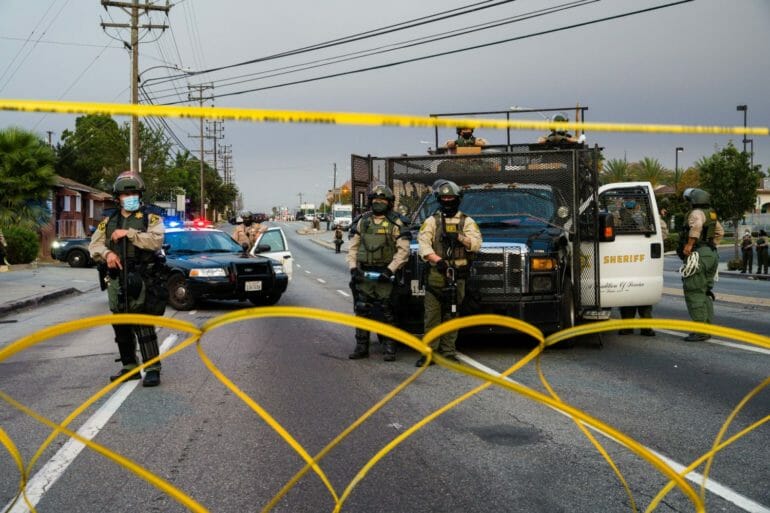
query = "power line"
x=451 y=52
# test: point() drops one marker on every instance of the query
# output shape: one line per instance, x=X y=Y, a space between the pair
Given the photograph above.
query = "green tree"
x=650 y=170
x=728 y=176
x=26 y=178
x=95 y=152
x=615 y=170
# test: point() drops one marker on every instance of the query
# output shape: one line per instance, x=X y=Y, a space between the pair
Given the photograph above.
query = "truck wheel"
x=179 y=295
x=262 y=300
x=567 y=315
x=77 y=258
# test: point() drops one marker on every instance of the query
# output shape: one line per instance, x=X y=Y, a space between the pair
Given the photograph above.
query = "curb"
x=36 y=300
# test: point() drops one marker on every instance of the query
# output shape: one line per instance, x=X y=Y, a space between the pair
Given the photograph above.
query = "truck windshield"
x=503 y=207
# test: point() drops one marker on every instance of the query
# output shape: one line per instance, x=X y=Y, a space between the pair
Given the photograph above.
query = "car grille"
x=499 y=271
x=252 y=270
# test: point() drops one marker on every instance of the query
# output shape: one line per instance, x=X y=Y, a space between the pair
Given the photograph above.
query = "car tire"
x=567 y=315
x=77 y=258
x=179 y=294
x=262 y=300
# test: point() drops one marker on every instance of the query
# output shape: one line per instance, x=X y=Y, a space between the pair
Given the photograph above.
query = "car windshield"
x=209 y=241
x=503 y=207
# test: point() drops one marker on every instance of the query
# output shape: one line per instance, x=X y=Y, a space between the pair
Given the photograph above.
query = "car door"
x=279 y=248
x=631 y=266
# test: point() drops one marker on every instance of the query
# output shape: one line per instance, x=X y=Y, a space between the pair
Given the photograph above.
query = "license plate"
x=251 y=286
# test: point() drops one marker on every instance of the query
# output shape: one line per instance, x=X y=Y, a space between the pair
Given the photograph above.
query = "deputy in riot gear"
x=700 y=236
x=129 y=242
x=465 y=138
x=448 y=239
x=558 y=136
x=379 y=246
x=247 y=230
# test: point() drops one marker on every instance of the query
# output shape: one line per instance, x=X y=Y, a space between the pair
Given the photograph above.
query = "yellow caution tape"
x=581 y=418
x=355 y=118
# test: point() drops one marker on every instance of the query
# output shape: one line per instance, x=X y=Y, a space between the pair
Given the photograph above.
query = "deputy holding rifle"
x=447 y=240
x=379 y=246
x=128 y=242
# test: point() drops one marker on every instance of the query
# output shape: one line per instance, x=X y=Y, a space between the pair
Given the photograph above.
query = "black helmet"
x=560 y=118
x=381 y=191
x=697 y=196
x=446 y=188
x=127 y=182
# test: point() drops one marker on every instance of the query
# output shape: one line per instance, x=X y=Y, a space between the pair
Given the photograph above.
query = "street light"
x=676 y=169
x=745 y=110
x=751 y=153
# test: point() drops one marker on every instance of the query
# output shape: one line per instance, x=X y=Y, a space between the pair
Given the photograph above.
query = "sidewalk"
x=29 y=285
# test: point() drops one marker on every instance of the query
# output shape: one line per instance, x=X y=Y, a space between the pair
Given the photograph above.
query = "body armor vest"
x=458 y=254
x=462 y=141
x=138 y=221
x=377 y=245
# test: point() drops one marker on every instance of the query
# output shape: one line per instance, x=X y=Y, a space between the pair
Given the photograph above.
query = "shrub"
x=734 y=264
x=23 y=244
x=670 y=242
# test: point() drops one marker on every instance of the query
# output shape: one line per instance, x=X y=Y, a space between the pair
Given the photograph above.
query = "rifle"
x=450 y=291
x=124 y=277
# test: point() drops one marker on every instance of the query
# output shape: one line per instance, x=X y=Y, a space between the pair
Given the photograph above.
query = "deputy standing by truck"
x=447 y=240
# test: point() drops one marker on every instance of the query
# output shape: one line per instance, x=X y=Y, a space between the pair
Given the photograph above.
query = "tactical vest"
x=459 y=256
x=462 y=141
x=377 y=245
x=709 y=226
x=137 y=220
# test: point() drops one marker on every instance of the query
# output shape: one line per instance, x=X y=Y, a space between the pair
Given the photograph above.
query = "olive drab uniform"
x=747 y=248
x=702 y=225
x=762 y=255
x=438 y=234
x=378 y=244
x=144 y=290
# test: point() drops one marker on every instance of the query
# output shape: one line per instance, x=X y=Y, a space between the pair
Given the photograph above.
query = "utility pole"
x=227 y=155
x=49 y=137
x=132 y=9
x=200 y=98
x=214 y=132
x=334 y=185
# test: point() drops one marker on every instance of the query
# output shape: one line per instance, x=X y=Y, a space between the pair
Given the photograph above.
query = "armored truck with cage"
x=557 y=248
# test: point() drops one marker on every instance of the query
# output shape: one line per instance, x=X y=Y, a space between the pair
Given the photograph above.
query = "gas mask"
x=379 y=207
x=449 y=208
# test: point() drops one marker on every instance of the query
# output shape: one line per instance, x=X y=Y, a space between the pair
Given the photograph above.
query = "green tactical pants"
x=127 y=335
x=436 y=312
x=699 y=305
x=377 y=297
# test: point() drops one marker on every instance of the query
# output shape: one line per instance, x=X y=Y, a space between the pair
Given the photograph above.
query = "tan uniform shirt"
x=696 y=220
x=151 y=240
x=470 y=237
x=248 y=234
x=402 y=246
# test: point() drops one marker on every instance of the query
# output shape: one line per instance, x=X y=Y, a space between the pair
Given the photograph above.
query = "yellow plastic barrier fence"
x=355 y=118
x=581 y=418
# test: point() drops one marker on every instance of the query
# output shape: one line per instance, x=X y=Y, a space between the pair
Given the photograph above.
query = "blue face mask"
x=130 y=203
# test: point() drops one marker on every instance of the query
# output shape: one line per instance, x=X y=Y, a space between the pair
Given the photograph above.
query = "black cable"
x=449 y=52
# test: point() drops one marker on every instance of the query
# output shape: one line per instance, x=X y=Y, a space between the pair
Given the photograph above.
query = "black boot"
x=151 y=378
x=361 y=350
x=125 y=370
x=390 y=351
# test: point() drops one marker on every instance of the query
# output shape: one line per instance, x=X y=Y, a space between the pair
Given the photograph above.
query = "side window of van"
x=631 y=210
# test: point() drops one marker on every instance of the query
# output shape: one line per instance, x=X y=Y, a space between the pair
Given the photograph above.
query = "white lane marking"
x=343 y=293
x=714 y=487
x=308 y=272
x=321 y=280
x=295 y=263
x=720 y=342
x=55 y=467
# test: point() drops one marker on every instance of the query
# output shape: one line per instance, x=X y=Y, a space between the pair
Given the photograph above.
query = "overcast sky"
x=691 y=63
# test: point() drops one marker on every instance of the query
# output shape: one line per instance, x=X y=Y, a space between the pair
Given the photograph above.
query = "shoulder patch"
x=154 y=219
x=102 y=226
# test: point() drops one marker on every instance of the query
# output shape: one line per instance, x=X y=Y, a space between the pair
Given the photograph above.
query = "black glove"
x=442 y=266
x=354 y=278
x=710 y=293
x=385 y=276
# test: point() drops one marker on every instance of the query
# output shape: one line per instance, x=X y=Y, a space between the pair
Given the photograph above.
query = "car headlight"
x=214 y=272
x=541 y=284
x=278 y=268
x=57 y=244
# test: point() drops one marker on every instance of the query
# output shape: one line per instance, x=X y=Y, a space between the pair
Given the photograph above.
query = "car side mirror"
x=263 y=248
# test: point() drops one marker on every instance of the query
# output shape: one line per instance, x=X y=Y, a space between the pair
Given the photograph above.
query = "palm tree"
x=26 y=178
x=650 y=170
x=615 y=170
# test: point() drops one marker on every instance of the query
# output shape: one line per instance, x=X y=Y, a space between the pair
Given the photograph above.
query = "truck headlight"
x=541 y=284
x=278 y=268
x=540 y=264
x=215 y=272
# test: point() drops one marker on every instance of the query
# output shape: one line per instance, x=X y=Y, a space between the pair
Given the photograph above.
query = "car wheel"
x=179 y=295
x=263 y=300
x=77 y=258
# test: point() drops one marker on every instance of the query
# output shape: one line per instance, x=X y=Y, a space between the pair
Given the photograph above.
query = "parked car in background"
x=273 y=244
x=73 y=251
x=206 y=263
